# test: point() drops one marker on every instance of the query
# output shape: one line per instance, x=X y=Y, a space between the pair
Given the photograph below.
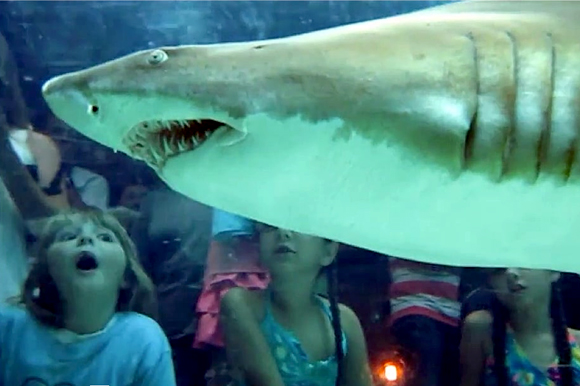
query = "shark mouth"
x=156 y=141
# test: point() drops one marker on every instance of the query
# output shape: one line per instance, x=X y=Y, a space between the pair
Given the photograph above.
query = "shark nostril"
x=93 y=109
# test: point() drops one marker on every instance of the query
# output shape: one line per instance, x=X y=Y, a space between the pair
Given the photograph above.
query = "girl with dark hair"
x=523 y=339
x=288 y=335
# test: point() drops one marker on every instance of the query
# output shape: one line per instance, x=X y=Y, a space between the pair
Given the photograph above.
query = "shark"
x=448 y=135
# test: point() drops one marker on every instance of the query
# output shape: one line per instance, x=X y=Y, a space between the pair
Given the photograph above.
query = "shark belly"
x=298 y=175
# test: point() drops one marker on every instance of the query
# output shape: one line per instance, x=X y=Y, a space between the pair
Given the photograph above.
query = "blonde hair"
x=40 y=294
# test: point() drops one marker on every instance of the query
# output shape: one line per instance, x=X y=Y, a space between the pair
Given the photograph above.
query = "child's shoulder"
x=350 y=325
x=10 y=314
x=135 y=326
x=14 y=321
x=139 y=321
x=239 y=299
x=479 y=320
x=348 y=319
x=477 y=326
x=345 y=311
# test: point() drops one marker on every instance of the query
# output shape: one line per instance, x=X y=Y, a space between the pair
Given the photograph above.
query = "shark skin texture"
x=447 y=135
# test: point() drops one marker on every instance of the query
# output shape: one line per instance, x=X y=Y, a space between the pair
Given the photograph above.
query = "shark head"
x=152 y=120
x=427 y=136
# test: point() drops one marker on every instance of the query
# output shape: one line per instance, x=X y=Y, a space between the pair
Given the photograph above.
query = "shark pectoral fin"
x=228 y=136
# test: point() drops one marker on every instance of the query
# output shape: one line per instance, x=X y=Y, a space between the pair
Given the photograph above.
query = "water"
x=194 y=253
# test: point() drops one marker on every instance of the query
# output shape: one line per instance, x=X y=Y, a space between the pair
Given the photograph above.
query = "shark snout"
x=60 y=85
x=72 y=103
x=51 y=86
x=63 y=97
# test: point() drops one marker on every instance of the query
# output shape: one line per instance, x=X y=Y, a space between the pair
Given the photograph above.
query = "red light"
x=391 y=372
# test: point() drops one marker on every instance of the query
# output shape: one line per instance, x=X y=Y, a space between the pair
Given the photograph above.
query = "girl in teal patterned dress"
x=288 y=335
x=523 y=340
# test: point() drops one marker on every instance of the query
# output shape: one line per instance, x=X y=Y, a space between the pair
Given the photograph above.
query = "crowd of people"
x=161 y=290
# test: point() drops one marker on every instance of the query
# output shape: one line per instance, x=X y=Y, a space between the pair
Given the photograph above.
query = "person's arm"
x=472 y=353
x=356 y=370
x=246 y=347
x=27 y=195
x=11 y=97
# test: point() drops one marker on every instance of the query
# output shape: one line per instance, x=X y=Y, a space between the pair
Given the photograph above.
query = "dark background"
x=49 y=38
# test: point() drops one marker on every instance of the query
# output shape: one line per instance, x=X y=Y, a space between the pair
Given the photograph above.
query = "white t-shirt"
x=18 y=139
x=92 y=187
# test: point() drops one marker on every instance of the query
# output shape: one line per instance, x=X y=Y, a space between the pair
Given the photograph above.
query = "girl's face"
x=283 y=250
x=516 y=287
x=85 y=255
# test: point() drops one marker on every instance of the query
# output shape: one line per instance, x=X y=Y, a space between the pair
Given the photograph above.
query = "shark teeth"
x=156 y=141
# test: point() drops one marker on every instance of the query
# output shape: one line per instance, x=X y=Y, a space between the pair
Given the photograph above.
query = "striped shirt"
x=424 y=289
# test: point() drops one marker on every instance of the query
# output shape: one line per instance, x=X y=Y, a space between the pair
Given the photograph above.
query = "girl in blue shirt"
x=83 y=315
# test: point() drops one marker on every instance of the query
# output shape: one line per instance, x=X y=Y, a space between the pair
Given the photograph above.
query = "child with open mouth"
x=84 y=315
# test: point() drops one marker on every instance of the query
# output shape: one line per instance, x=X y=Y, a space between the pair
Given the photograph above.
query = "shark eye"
x=157 y=57
x=93 y=109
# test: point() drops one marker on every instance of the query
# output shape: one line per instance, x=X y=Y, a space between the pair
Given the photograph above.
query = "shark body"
x=448 y=135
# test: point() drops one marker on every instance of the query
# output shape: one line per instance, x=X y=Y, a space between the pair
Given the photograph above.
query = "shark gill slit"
x=510 y=134
x=469 y=141
x=544 y=140
x=570 y=158
x=571 y=152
